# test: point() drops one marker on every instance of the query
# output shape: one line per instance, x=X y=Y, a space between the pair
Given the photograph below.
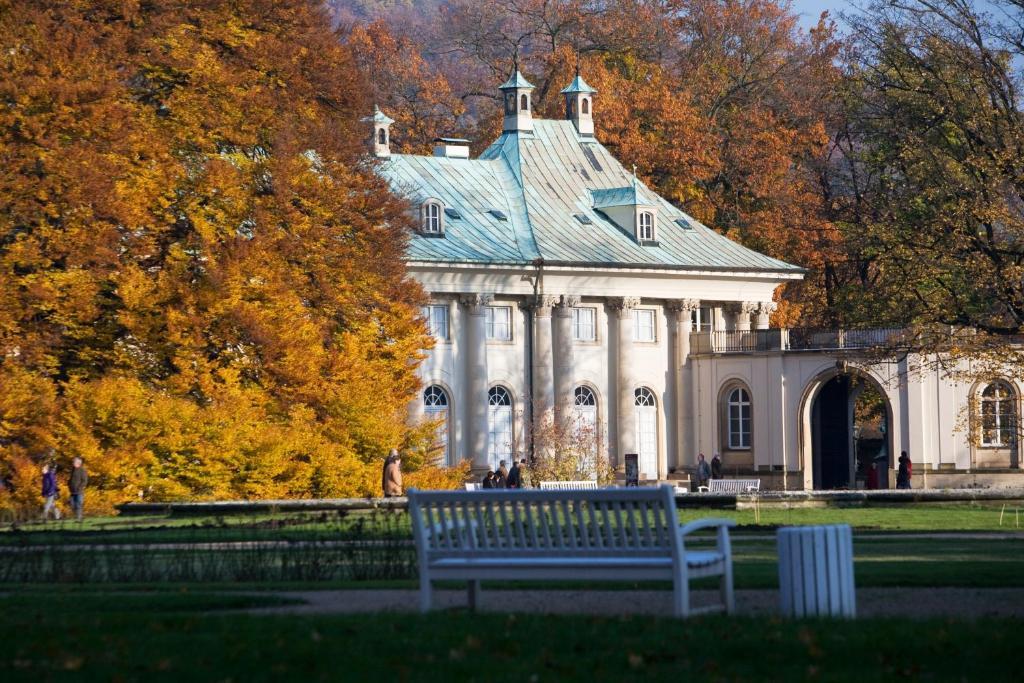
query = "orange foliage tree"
x=724 y=107
x=202 y=289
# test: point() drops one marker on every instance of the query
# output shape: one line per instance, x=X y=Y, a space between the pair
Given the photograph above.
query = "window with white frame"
x=432 y=221
x=499 y=323
x=436 y=317
x=701 y=319
x=645 y=227
x=646 y=417
x=584 y=324
x=435 y=406
x=585 y=431
x=998 y=413
x=643 y=325
x=499 y=427
x=738 y=417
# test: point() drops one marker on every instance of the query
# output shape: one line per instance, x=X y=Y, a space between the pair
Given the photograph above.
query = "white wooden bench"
x=733 y=485
x=623 y=534
x=585 y=484
x=473 y=486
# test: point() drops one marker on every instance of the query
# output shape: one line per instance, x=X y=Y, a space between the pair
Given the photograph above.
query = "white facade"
x=554 y=274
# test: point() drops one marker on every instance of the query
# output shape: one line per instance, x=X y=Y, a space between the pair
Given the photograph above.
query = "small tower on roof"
x=579 y=100
x=516 y=94
x=380 y=144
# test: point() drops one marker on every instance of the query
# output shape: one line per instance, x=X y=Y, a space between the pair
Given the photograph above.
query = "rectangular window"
x=499 y=323
x=646 y=231
x=702 y=318
x=436 y=317
x=643 y=325
x=584 y=326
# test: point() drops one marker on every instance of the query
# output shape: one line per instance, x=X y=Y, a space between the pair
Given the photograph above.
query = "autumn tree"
x=931 y=173
x=201 y=278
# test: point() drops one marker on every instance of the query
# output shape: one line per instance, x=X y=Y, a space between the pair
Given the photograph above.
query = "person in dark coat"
x=79 y=480
x=904 y=471
x=716 y=467
x=500 y=480
x=515 y=477
x=488 y=482
x=703 y=471
x=50 y=493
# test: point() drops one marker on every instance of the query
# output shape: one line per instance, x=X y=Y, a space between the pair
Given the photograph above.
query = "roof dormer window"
x=645 y=226
x=432 y=217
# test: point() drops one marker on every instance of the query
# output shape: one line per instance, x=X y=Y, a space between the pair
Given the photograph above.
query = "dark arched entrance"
x=849 y=435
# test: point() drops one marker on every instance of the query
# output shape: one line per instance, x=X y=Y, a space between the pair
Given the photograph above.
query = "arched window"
x=570 y=107
x=998 y=416
x=435 y=406
x=432 y=212
x=499 y=427
x=585 y=424
x=524 y=102
x=645 y=228
x=738 y=416
x=585 y=106
x=510 y=103
x=382 y=136
x=646 y=415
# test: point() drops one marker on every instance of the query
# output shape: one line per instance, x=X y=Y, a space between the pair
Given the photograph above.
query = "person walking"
x=716 y=467
x=904 y=471
x=703 y=471
x=50 y=493
x=393 y=474
x=501 y=476
x=515 y=477
x=525 y=480
x=79 y=480
x=488 y=482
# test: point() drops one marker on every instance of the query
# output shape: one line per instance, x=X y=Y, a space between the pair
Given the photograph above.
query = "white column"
x=682 y=310
x=543 y=371
x=622 y=309
x=764 y=312
x=742 y=312
x=563 y=356
x=475 y=395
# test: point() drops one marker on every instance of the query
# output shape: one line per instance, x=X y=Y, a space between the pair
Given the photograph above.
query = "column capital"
x=475 y=302
x=685 y=306
x=767 y=307
x=569 y=301
x=741 y=307
x=541 y=304
x=623 y=303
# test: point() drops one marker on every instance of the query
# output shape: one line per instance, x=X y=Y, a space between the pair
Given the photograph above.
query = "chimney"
x=451 y=148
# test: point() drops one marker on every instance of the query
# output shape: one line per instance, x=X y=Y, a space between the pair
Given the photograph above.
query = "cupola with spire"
x=516 y=94
x=579 y=100
x=380 y=143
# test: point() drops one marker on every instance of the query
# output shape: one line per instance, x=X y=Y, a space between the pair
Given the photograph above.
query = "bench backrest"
x=472 y=486
x=568 y=485
x=501 y=522
x=733 y=485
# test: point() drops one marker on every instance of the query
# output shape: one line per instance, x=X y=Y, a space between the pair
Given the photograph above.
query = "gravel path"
x=964 y=603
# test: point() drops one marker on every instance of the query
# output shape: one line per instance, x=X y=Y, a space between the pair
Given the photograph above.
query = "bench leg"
x=726 y=588
x=426 y=593
x=681 y=596
x=474 y=594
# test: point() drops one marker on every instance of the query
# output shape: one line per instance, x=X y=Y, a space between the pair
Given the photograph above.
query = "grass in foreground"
x=83 y=635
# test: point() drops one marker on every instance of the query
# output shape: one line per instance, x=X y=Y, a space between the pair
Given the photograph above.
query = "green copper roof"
x=516 y=81
x=542 y=182
x=578 y=85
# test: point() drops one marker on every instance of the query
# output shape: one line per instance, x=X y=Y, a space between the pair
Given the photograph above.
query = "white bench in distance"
x=733 y=485
x=584 y=484
x=622 y=534
x=472 y=486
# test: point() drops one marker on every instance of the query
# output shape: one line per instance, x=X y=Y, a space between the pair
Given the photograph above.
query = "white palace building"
x=560 y=284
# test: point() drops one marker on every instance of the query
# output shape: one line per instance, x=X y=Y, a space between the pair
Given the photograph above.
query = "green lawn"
x=83 y=635
x=307 y=526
